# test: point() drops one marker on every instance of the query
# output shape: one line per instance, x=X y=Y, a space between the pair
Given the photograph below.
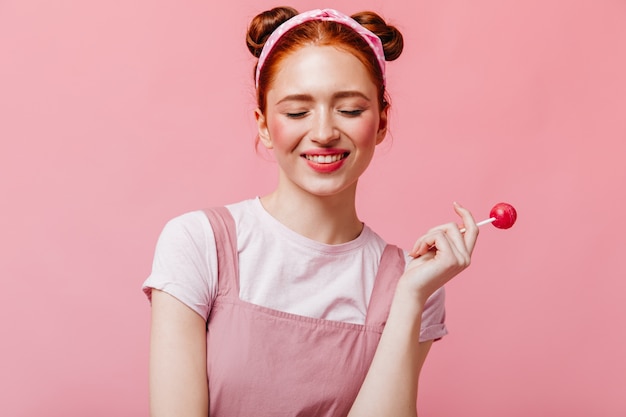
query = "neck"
x=327 y=219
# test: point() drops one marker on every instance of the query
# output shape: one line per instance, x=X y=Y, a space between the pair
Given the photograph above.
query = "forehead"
x=317 y=68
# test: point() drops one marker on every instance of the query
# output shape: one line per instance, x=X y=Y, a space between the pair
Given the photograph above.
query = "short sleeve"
x=185 y=262
x=434 y=317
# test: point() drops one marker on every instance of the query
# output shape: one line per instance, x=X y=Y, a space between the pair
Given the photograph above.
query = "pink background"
x=116 y=116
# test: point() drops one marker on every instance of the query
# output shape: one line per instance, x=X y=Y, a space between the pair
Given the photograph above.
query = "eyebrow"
x=337 y=95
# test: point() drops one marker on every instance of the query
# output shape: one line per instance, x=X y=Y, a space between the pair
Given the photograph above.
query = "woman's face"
x=322 y=120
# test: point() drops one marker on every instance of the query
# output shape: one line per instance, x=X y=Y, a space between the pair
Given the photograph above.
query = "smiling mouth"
x=326 y=159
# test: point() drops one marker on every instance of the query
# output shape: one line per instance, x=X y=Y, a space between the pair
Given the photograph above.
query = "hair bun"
x=390 y=36
x=264 y=24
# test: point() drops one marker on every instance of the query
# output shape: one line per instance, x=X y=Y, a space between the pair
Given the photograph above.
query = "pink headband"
x=327 y=15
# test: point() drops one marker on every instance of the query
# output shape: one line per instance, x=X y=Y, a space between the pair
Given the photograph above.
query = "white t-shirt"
x=278 y=269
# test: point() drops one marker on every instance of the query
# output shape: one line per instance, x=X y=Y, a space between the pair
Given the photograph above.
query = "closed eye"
x=297 y=115
x=351 y=113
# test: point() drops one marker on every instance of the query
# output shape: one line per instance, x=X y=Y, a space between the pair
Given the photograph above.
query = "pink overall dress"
x=267 y=363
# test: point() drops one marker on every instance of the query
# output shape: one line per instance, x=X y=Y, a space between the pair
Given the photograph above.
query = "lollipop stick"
x=481 y=223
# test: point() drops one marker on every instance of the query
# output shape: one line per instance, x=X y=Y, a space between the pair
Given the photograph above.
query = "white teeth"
x=324 y=159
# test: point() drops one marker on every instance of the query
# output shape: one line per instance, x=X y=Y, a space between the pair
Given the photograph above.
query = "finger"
x=453 y=246
x=463 y=241
x=422 y=258
x=469 y=224
x=420 y=247
x=428 y=241
x=435 y=240
x=457 y=244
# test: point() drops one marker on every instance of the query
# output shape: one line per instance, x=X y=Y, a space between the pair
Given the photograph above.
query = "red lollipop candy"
x=504 y=215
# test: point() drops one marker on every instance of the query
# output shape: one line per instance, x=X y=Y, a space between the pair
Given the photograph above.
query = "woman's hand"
x=391 y=385
x=439 y=255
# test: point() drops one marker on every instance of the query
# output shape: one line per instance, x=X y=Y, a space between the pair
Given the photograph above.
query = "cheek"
x=365 y=131
x=279 y=131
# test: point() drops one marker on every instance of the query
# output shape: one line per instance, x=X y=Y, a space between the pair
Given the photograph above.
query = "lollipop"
x=502 y=215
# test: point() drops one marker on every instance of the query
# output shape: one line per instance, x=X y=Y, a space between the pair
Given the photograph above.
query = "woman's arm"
x=178 y=372
x=391 y=385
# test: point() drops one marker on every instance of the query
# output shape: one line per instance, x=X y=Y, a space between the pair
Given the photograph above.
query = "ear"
x=264 y=133
x=382 y=125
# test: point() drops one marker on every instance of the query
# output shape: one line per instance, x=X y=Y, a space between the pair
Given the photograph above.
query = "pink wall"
x=115 y=116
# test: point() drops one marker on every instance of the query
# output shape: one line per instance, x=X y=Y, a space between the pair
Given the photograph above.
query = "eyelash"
x=348 y=113
x=351 y=113
x=298 y=115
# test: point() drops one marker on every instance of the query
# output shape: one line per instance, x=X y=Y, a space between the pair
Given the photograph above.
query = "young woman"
x=287 y=304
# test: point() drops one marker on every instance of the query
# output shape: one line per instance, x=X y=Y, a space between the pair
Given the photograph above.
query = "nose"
x=323 y=130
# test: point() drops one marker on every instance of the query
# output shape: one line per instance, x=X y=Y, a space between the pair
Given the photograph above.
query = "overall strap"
x=225 y=232
x=392 y=264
